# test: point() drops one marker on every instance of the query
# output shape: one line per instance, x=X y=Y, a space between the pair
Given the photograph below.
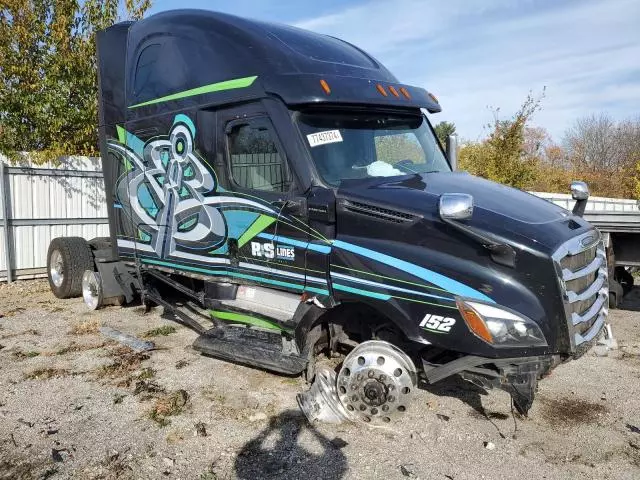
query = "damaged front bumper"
x=517 y=376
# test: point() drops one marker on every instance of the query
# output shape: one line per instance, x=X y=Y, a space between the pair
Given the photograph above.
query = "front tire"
x=67 y=260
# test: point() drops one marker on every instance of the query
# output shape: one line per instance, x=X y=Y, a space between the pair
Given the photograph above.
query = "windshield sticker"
x=322 y=138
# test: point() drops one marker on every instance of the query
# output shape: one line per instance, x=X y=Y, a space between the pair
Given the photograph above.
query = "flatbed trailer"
x=619 y=221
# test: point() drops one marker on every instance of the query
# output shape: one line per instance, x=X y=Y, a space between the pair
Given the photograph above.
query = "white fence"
x=41 y=202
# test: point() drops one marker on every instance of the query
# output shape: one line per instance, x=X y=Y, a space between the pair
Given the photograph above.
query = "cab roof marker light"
x=394 y=91
x=325 y=86
x=433 y=97
x=382 y=91
x=405 y=92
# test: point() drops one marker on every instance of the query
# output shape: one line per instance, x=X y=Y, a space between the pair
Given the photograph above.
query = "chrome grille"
x=582 y=271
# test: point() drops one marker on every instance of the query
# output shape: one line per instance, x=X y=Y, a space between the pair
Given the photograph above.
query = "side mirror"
x=579 y=190
x=580 y=193
x=456 y=206
x=451 y=149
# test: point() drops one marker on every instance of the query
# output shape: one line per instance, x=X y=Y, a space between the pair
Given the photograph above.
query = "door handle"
x=295 y=205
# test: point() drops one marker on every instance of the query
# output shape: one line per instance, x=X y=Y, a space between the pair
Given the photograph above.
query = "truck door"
x=266 y=245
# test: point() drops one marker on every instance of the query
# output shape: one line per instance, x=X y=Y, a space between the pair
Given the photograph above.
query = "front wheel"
x=67 y=260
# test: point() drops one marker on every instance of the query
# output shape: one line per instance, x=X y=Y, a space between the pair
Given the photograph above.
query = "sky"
x=479 y=55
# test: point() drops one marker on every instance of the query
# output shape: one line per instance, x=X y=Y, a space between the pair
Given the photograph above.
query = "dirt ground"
x=74 y=404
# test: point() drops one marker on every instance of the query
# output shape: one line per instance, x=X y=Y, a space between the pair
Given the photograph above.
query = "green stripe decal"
x=357 y=291
x=246 y=319
x=213 y=87
x=262 y=222
x=122 y=135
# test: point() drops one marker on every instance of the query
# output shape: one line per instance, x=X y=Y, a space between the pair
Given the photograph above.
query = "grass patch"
x=126 y=361
x=85 y=328
x=31 y=331
x=160 y=331
x=168 y=406
x=76 y=347
x=21 y=355
x=46 y=373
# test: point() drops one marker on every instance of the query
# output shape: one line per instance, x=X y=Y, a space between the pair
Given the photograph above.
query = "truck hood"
x=512 y=214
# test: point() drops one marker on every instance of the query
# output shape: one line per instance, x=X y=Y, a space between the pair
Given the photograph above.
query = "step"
x=256 y=348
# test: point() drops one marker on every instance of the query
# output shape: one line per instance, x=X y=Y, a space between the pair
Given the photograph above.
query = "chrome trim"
x=593 y=332
x=589 y=292
x=591 y=312
x=599 y=288
x=592 y=267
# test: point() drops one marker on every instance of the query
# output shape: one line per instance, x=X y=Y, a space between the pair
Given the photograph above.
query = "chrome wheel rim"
x=91 y=289
x=56 y=268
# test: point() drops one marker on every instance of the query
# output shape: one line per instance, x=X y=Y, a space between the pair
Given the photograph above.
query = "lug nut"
x=371 y=373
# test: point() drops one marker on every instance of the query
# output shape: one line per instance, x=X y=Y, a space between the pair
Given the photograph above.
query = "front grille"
x=582 y=272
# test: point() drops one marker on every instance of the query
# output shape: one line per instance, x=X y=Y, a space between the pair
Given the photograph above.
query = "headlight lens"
x=500 y=327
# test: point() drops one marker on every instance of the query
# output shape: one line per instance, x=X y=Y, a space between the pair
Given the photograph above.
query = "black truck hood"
x=509 y=213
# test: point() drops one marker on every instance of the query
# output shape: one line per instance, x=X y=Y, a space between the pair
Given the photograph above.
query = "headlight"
x=500 y=327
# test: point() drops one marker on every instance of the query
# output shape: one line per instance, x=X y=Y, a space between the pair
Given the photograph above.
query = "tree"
x=443 y=130
x=502 y=155
x=48 y=81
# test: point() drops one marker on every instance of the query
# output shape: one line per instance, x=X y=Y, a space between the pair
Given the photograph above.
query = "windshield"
x=363 y=145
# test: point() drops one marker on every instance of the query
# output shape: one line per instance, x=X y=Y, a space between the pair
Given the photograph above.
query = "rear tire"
x=67 y=260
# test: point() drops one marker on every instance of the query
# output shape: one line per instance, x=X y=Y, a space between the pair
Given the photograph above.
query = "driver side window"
x=255 y=161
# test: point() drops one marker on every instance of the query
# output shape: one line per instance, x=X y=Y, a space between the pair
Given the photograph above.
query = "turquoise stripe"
x=239 y=275
x=317 y=290
x=357 y=291
x=441 y=281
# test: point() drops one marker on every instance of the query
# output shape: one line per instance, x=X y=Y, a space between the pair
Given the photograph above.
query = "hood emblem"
x=588 y=240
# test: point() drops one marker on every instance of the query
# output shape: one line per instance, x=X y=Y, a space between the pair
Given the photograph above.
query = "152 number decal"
x=437 y=323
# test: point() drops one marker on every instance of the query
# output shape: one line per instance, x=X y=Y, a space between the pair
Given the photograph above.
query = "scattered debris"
x=167 y=406
x=24 y=422
x=147 y=373
x=118 y=398
x=632 y=428
x=150 y=388
x=407 y=470
x=445 y=418
x=130 y=341
x=12 y=312
x=2 y=346
x=85 y=328
x=20 y=355
x=46 y=373
x=256 y=417
x=126 y=361
x=77 y=347
x=56 y=454
x=169 y=462
x=181 y=364
x=489 y=445
x=339 y=443
x=52 y=431
x=201 y=429
x=160 y=331
x=30 y=331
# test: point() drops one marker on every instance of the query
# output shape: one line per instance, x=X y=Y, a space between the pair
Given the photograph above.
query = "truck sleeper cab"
x=280 y=192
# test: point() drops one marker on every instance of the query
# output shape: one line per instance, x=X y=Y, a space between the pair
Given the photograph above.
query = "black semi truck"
x=284 y=195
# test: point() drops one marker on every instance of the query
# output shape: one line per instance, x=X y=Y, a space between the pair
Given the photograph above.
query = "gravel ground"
x=75 y=405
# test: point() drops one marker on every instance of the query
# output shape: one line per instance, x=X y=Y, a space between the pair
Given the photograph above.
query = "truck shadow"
x=276 y=452
x=456 y=387
x=631 y=301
